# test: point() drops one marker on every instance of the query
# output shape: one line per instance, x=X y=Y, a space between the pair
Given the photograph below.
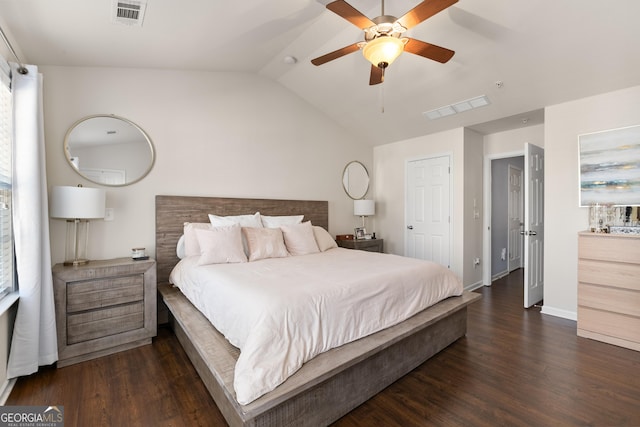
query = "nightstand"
x=371 y=245
x=104 y=307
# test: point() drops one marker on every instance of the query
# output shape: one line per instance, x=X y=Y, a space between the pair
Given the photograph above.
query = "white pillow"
x=264 y=243
x=191 y=244
x=221 y=245
x=299 y=239
x=323 y=239
x=243 y=220
x=180 y=250
x=278 y=221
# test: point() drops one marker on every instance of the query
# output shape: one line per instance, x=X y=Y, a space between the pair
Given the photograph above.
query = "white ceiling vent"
x=128 y=12
x=458 y=107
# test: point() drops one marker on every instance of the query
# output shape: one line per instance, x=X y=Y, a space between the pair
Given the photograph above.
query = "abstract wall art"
x=610 y=167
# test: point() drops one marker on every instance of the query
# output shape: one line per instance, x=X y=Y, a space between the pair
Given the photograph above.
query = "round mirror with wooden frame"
x=109 y=150
x=355 y=180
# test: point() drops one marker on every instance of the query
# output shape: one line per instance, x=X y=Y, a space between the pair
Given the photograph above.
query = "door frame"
x=448 y=154
x=520 y=227
x=486 y=201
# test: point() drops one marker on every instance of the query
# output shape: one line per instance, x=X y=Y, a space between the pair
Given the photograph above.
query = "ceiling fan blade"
x=424 y=10
x=428 y=50
x=377 y=75
x=335 y=54
x=348 y=12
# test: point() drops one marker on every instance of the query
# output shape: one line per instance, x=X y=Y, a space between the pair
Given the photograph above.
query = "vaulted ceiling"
x=522 y=54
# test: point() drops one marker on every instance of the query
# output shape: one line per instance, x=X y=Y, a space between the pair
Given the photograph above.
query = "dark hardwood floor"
x=515 y=367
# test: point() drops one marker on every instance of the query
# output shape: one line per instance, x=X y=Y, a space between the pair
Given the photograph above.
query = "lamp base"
x=75 y=252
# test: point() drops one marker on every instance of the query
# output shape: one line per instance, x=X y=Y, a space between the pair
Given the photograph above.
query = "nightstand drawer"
x=101 y=323
x=370 y=245
x=106 y=292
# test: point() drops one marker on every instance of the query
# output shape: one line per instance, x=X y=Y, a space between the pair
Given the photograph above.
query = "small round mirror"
x=109 y=150
x=355 y=180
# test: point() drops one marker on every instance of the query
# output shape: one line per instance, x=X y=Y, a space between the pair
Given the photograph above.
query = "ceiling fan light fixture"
x=383 y=50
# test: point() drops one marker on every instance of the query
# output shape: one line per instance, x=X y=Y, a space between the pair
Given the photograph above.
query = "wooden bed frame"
x=331 y=384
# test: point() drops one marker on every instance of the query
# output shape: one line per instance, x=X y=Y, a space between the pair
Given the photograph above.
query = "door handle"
x=409 y=227
x=522 y=233
x=533 y=233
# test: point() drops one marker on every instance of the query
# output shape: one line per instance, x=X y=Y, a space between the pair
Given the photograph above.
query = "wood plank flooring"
x=515 y=367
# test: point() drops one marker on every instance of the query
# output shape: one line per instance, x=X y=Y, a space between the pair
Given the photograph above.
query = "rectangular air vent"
x=128 y=12
x=458 y=107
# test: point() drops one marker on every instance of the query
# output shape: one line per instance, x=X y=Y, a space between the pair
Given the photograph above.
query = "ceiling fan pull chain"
x=382 y=99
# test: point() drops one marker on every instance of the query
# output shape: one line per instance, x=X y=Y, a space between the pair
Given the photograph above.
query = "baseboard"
x=5 y=390
x=499 y=275
x=472 y=287
x=557 y=312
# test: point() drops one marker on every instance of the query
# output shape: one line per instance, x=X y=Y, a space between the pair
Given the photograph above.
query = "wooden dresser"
x=609 y=288
x=104 y=307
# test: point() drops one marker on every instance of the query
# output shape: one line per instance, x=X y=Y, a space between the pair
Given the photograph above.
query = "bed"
x=329 y=385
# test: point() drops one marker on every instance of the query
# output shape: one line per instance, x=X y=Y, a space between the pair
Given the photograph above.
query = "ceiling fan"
x=382 y=36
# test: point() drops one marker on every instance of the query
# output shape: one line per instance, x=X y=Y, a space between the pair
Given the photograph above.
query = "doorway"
x=507 y=208
x=533 y=227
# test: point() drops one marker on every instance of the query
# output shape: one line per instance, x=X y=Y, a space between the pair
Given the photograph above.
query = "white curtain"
x=34 y=335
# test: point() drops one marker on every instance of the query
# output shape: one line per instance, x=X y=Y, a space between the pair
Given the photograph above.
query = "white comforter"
x=281 y=312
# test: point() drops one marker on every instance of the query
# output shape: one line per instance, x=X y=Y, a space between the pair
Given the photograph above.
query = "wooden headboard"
x=173 y=211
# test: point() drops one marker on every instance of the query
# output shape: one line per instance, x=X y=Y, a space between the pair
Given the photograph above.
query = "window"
x=7 y=282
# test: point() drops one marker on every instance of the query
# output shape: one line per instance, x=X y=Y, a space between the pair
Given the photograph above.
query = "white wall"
x=563 y=218
x=389 y=164
x=215 y=134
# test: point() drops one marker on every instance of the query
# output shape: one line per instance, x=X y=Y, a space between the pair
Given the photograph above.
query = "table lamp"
x=77 y=205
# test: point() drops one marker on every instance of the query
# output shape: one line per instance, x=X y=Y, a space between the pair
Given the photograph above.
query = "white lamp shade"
x=77 y=202
x=364 y=207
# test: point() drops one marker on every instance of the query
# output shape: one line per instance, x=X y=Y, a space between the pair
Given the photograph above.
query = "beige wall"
x=512 y=141
x=563 y=217
x=215 y=134
x=389 y=163
x=466 y=150
x=473 y=211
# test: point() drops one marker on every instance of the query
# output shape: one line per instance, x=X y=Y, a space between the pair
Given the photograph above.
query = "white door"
x=105 y=176
x=533 y=225
x=515 y=213
x=428 y=228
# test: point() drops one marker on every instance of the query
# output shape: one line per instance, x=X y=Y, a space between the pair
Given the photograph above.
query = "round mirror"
x=109 y=150
x=355 y=180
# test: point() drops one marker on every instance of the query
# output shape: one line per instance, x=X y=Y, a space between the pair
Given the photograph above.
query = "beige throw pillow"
x=300 y=239
x=264 y=243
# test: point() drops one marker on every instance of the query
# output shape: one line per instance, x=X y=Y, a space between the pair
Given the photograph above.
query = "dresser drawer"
x=606 y=273
x=609 y=324
x=101 y=323
x=611 y=299
x=98 y=293
x=609 y=247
